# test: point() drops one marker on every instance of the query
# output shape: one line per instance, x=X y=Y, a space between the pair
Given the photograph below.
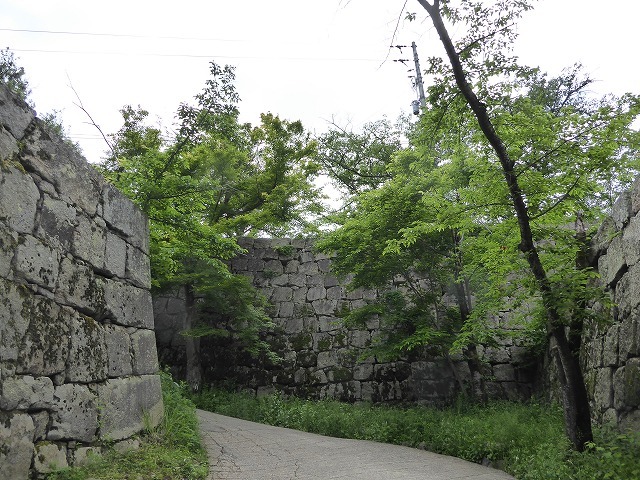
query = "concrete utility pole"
x=423 y=100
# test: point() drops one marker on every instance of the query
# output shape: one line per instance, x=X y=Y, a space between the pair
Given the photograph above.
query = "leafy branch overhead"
x=211 y=181
x=491 y=202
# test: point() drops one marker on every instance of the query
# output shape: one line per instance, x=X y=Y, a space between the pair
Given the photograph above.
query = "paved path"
x=241 y=450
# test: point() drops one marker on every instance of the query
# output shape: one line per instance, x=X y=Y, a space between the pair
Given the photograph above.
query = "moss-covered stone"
x=339 y=374
x=301 y=341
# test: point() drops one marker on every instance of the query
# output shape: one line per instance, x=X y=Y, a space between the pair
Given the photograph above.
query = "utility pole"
x=423 y=100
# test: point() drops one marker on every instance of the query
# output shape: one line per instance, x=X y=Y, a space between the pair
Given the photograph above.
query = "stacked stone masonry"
x=321 y=357
x=611 y=349
x=78 y=361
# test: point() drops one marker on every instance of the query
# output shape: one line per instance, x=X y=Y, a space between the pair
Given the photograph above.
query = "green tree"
x=357 y=161
x=503 y=161
x=12 y=75
x=214 y=180
x=553 y=154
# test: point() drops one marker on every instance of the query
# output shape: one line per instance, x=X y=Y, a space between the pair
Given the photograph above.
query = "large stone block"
x=622 y=210
x=626 y=386
x=78 y=287
x=145 y=354
x=26 y=393
x=280 y=280
x=90 y=240
x=308 y=268
x=324 y=265
x=627 y=293
x=630 y=421
x=603 y=395
x=363 y=372
x=628 y=341
x=327 y=359
x=57 y=222
x=44 y=348
x=13 y=324
x=19 y=198
x=122 y=215
x=316 y=293
x=284 y=309
x=128 y=404
x=118 y=345
x=292 y=266
x=282 y=294
x=75 y=415
x=8 y=144
x=36 y=262
x=49 y=457
x=425 y=371
x=360 y=338
x=274 y=267
x=324 y=306
x=115 y=257
x=631 y=241
x=335 y=293
x=88 y=352
x=610 y=347
x=612 y=265
x=8 y=244
x=314 y=280
x=57 y=162
x=299 y=295
x=128 y=305
x=635 y=196
x=41 y=423
x=328 y=324
x=138 y=267
x=16 y=444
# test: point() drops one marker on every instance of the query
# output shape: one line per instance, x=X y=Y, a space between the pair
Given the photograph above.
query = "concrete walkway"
x=241 y=450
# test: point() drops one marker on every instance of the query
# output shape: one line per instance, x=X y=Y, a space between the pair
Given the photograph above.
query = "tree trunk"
x=192 y=344
x=575 y=399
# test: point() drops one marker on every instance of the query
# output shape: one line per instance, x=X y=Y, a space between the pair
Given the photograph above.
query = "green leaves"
x=445 y=214
x=214 y=180
x=12 y=75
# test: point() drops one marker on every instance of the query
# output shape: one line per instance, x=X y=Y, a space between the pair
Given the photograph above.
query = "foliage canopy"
x=214 y=179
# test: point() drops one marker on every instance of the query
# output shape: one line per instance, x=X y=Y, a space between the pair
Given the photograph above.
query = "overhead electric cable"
x=190 y=55
x=124 y=35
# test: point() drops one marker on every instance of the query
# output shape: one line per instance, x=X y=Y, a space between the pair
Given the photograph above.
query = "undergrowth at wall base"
x=172 y=451
x=526 y=440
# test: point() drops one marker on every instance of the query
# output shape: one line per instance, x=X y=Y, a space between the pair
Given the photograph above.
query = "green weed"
x=526 y=440
x=171 y=451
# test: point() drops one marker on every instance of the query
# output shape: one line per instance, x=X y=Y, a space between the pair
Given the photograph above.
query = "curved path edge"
x=242 y=450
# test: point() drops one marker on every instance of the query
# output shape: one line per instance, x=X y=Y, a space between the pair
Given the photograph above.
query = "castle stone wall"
x=322 y=358
x=611 y=349
x=78 y=362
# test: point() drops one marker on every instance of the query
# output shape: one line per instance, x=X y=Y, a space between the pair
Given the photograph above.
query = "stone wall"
x=611 y=350
x=78 y=362
x=322 y=358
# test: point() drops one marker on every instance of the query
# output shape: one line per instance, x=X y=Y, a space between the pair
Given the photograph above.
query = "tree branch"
x=93 y=122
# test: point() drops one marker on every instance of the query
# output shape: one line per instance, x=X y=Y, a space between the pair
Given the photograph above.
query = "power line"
x=190 y=55
x=161 y=37
x=118 y=35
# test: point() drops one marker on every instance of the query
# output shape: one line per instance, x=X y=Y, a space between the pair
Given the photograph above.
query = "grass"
x=170 y=452
x=527 y=441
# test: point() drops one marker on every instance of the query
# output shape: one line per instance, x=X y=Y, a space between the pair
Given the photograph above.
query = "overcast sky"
x=300 y=59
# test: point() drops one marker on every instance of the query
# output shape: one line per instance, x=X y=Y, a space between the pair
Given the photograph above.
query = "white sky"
x=300 y=59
